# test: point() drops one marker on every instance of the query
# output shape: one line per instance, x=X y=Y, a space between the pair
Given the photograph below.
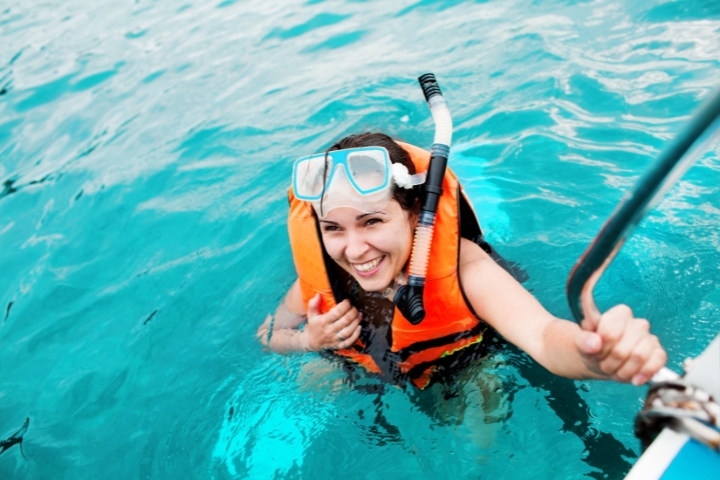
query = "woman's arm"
x=281 y=332
x=338 y=328
x=620 y=348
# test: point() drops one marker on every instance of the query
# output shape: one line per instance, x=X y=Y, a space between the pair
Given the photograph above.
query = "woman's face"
x=372 y=247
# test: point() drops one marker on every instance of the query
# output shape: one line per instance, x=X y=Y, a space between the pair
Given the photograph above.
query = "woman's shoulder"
x=471 y=254
x=475 y=267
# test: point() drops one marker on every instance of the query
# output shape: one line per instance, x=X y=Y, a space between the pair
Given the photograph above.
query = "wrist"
x=305 y=343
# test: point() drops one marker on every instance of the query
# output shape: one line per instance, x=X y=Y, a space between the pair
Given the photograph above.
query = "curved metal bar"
x=674 y=160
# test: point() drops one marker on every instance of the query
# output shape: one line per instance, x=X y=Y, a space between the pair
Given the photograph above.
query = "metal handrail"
x=673 y=162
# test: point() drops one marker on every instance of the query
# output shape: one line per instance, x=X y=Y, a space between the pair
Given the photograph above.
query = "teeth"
x=366 y=267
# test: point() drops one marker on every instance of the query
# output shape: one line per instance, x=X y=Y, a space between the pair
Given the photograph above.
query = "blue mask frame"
x=336 y=159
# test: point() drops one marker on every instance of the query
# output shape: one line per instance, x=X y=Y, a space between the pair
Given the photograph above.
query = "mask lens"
x=368 y=169
x=310 y=174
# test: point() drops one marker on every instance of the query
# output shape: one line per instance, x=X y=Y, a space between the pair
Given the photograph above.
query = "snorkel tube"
x=409 y=298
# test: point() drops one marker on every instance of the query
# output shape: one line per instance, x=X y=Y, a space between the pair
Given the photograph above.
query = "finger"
x=636 y=358
x=588 y=344
x=263 y=339
x=263 y=329
x=349 y=329
x=338 y=311
x=651 y=367
x=351 y=339
x=346 y=319
x=611 y=328
x=636 y=332
x=591 y=315
x=588 y=324
x=261 y=332
x=314 y=306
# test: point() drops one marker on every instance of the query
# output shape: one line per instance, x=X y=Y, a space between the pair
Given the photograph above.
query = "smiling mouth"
x=368 y=268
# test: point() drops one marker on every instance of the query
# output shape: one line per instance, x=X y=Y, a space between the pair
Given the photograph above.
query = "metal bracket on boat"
x=682 y=407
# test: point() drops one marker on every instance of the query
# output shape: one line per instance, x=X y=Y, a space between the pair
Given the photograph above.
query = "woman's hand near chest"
x=337 y=328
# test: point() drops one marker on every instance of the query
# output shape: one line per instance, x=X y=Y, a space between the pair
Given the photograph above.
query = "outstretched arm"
x=620 y=347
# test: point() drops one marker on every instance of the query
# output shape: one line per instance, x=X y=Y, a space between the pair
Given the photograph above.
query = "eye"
x=372 y=221
x=330 y=228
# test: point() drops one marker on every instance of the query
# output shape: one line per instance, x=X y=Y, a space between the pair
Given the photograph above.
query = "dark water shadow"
x=15 y=439
x=604 y=451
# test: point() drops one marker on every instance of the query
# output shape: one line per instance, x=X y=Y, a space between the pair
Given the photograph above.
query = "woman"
x=348 y=277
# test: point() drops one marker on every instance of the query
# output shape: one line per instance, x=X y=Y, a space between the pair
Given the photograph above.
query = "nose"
x=356 y=246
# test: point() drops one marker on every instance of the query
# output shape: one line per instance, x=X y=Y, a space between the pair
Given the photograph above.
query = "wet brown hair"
x=408 y=198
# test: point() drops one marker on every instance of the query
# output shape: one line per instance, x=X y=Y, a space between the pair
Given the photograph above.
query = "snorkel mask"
x=360 y=178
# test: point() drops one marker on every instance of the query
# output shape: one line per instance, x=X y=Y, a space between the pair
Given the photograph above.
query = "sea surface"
x=145 y=154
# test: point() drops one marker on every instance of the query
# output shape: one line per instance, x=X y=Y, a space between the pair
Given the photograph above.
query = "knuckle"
x=639 y=356
x=619 y=353
x=649 y=369
x=623 y=310
x=611 y=337
x=662 y=357
x=607 y=367
x=608 y=331
x=654 y=363
x=642 y=324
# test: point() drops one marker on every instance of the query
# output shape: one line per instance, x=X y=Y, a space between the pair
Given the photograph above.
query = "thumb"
x=314 y=306
x=588 y=343
x=591 y=317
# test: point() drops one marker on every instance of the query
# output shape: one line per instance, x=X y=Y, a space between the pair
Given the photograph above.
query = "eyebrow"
x=359 y=217
x=363 y=215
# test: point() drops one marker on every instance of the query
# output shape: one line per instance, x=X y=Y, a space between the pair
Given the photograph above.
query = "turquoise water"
x=145 y=149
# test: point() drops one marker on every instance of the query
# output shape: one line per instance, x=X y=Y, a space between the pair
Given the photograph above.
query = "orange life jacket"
x=450 y=323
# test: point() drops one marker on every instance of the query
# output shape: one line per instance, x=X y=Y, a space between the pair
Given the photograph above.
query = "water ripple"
x=145 y=151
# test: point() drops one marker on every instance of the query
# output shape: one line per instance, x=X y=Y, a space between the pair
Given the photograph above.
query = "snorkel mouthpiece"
x=409 y=298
